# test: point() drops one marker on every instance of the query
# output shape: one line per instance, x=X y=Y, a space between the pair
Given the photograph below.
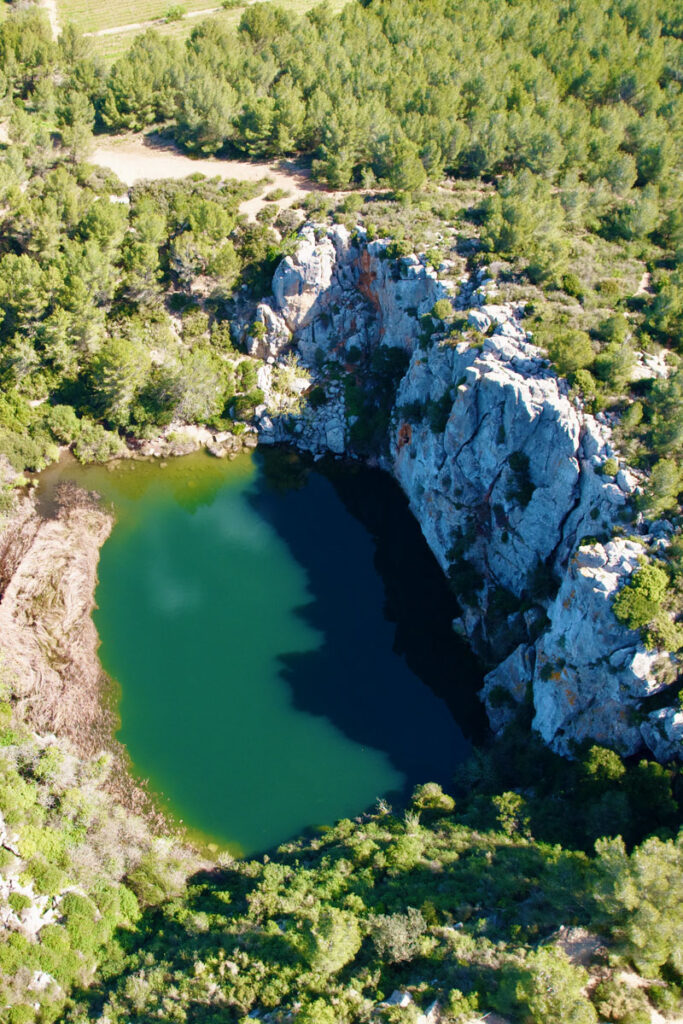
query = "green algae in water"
x=242 y=650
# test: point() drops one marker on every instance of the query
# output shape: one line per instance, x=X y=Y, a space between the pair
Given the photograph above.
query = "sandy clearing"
x=136 y=158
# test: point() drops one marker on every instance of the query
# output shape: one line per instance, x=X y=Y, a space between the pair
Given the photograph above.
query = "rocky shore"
x=49 y=642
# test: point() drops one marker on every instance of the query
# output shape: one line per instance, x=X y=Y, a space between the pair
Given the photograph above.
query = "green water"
x=242 y=615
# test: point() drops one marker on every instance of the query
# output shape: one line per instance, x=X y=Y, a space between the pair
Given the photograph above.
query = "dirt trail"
x=140 y=26
x=50 y=6
x=136 y=158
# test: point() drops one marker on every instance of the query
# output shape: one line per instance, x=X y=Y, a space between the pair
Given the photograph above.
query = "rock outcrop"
x=501 y=468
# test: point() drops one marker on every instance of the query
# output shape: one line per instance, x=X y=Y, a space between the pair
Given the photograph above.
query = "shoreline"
x=48 y=576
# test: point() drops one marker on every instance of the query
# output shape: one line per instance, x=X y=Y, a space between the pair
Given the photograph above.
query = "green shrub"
x=95 y=444
x=18 y=901
x=570 y=350
x=547 y=989
x=317 y=397
x=438 y=411
x=397 y=937
x=639 y=602
x=663 y=487
x=63 y=422
x=431 y=797
x=617 y=1002
x=572 y=286
x=521 y=488
x=21 y=1013
x=442 y=309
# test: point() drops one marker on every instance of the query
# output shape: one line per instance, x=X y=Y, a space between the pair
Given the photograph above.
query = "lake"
x=280 y=634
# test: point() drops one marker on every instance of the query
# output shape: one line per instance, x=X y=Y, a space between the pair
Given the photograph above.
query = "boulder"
x=398 y=998
x=478 y=320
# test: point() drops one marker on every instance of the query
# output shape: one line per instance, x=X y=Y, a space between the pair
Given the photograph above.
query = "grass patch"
x=96 y=16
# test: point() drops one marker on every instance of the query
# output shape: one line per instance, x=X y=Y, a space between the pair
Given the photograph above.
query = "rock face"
x=501 y=469
x=587 y=672
x=301 y=282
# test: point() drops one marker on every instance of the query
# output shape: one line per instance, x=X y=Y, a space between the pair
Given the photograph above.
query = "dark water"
x=281 y=637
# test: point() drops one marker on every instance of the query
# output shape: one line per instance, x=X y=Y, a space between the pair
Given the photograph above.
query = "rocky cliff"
x=501 y=468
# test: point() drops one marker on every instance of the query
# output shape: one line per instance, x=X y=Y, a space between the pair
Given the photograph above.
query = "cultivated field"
x=115 y=24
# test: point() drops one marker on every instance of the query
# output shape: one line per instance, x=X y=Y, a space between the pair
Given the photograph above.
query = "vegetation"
x=560 y=129
x=115 y=310
x=456 y=899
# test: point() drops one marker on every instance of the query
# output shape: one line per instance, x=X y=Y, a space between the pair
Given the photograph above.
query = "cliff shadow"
x=389 y=673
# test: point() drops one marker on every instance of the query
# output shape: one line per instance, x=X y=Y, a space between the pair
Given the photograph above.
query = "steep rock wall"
x=502 y=471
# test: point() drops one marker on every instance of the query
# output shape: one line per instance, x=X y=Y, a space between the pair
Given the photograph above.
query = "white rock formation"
x=500 y=468
x=301 y=282
x=276 y=338
x=590 y=671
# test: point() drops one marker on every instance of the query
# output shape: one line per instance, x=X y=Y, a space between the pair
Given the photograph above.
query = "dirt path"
x=140 y=26
x=644 y=285
x=135 y=158
x=50 y=6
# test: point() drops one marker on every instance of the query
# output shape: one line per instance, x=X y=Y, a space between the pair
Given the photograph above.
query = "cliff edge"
x=505 y=473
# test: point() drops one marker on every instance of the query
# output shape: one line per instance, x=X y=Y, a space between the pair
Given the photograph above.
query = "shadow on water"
x=404 y=606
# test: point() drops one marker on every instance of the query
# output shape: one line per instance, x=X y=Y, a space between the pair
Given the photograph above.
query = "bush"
x=95 y=444
x=438 y=411
x=640 y=600
x=430 y=796
x=549 y=989
x=521 y=487
x=572 y=286
x=63 y=423
x=397 y=937
x=570 y=351
x=317 y=397
x=330 y=940
x=442 y=310
x=617 y=1002
x=663 y=487
x=639 y=896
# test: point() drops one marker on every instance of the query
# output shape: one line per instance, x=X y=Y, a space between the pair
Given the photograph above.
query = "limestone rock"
x=478 y=320
x=301 y=281
x=500 y=468
x=432 y=1014
x=398 y=998
x=277 y=336
x=506 y=686
x=591 y=671
x=662 y=730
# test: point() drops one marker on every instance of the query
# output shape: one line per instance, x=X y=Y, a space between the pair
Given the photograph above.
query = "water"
x=270 y=625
